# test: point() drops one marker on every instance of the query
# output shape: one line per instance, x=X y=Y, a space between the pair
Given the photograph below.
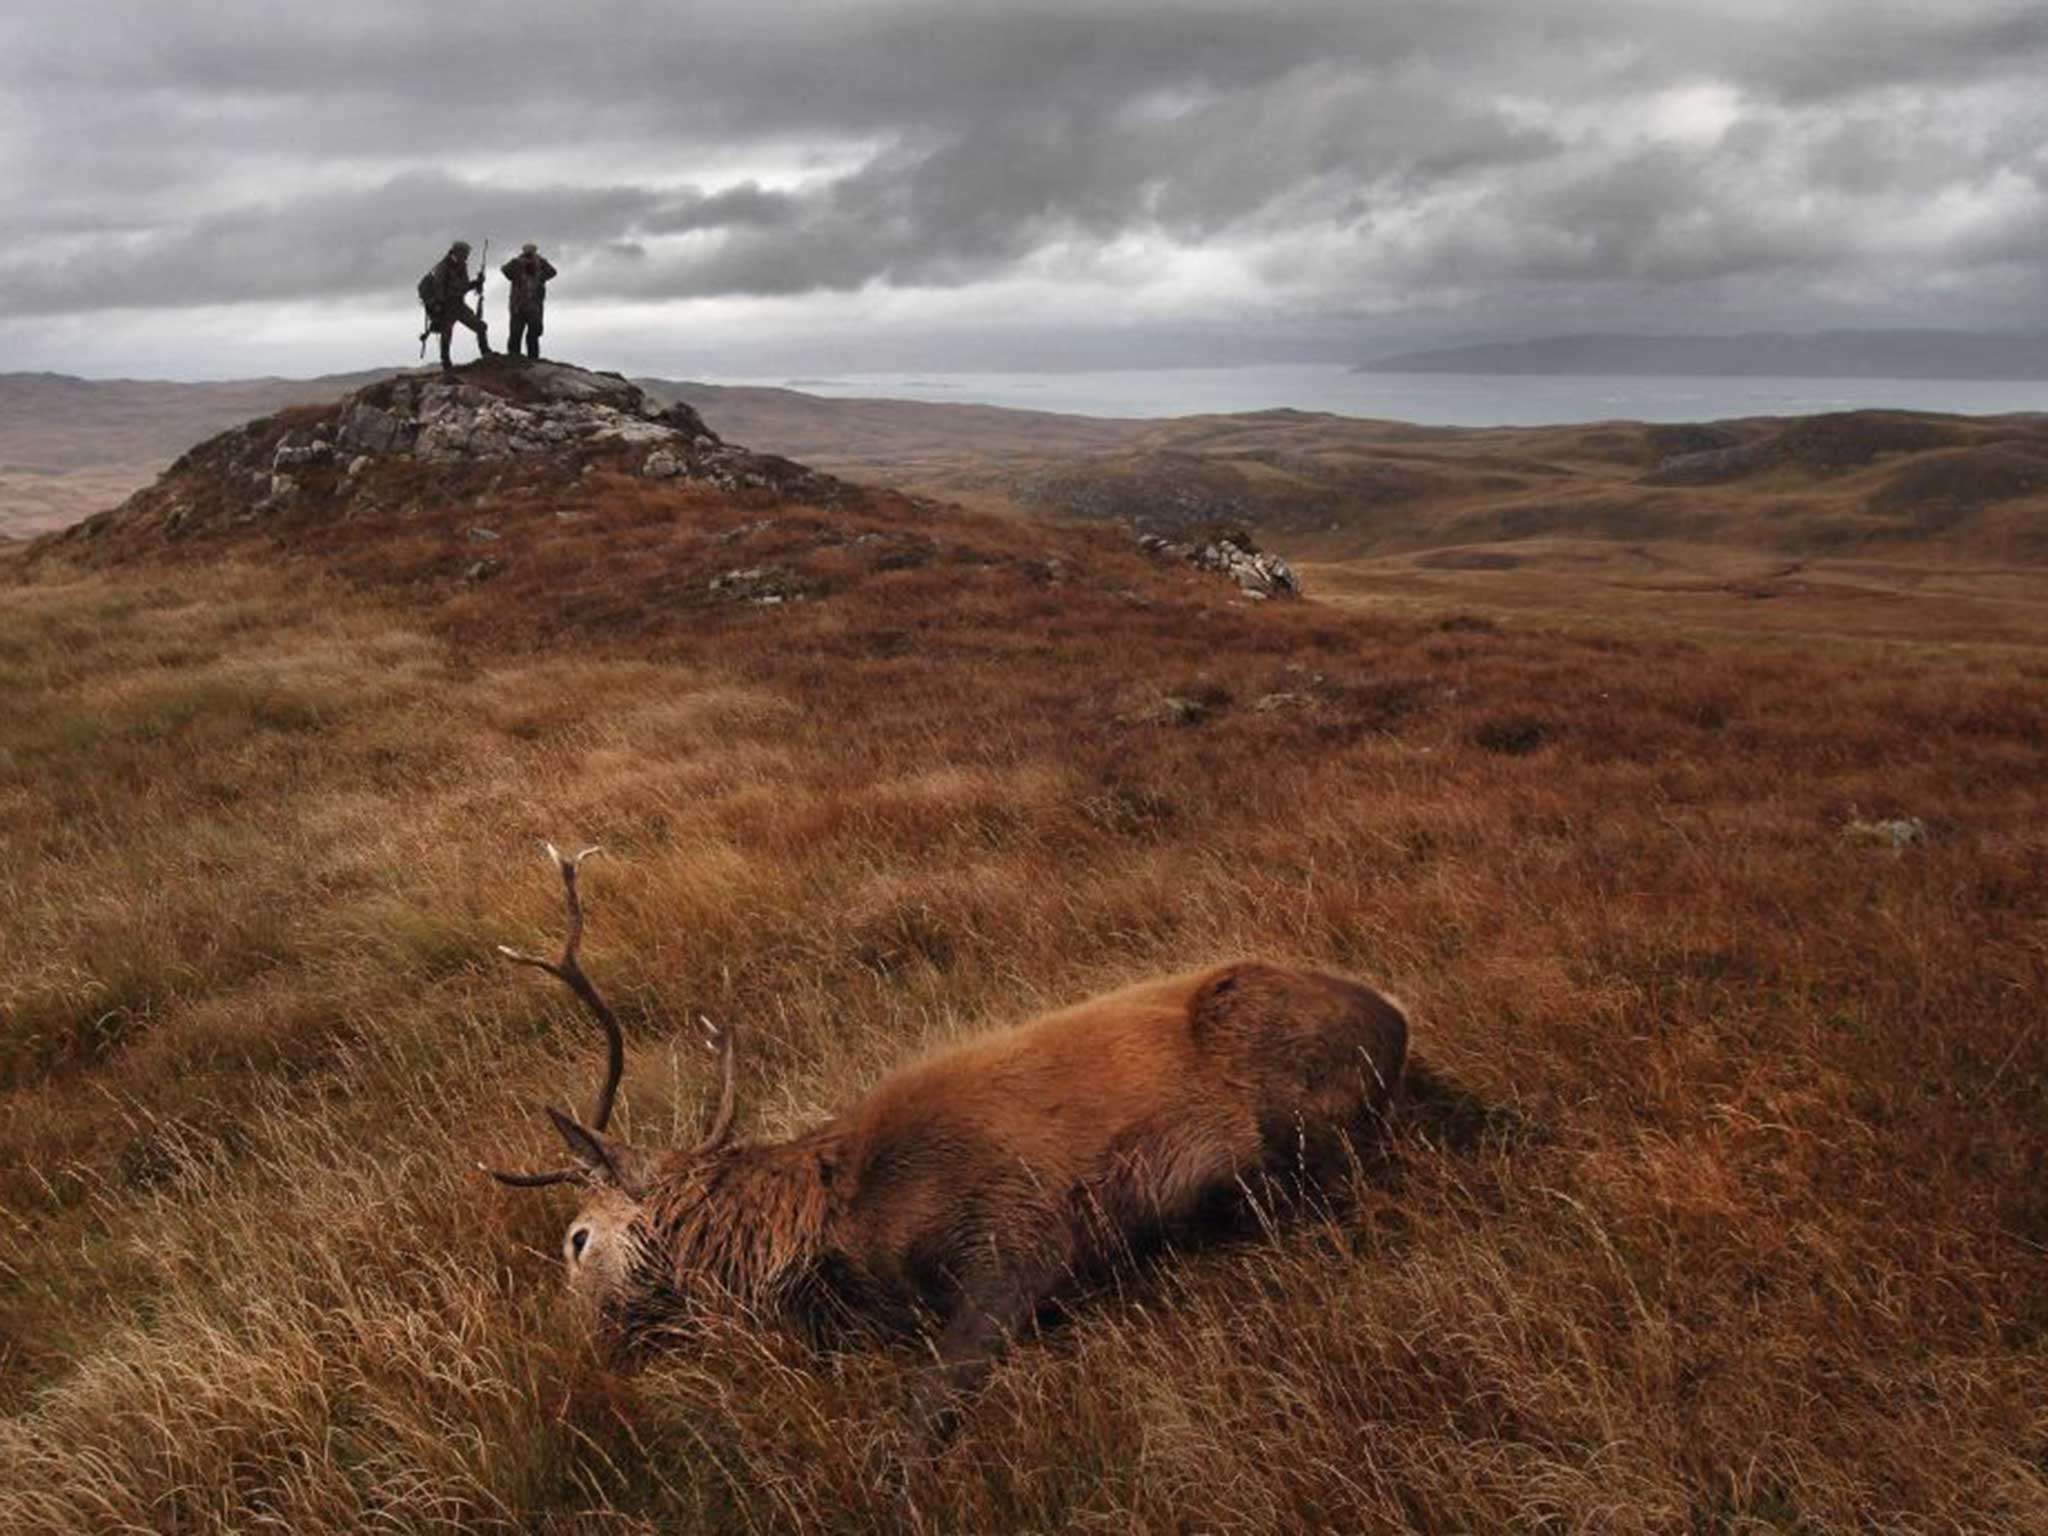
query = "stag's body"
x=964 y=1190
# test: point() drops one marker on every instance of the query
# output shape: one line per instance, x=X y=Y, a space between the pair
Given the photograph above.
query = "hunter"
x=444 y=292
x=528 y=275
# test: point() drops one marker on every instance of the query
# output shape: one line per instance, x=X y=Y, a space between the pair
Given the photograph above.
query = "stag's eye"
x=578 y=1240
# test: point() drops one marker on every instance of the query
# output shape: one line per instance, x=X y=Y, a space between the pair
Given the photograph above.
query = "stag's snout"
x=598 y=1248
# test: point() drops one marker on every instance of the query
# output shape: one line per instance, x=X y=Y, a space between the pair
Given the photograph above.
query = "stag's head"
x=608 y=1235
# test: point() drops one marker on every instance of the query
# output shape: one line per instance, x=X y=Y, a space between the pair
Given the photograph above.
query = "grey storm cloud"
x=1339 y=155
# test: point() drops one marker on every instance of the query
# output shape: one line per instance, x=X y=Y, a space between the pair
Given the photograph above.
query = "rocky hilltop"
x=545 y=420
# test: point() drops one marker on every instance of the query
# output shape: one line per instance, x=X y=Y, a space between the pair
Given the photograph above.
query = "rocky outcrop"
x=1230 y=553
x=323 y=463
x=509 y=411
x=522 y=409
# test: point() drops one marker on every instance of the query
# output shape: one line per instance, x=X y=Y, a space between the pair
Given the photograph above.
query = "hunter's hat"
x=529 y=249
x=460 y=245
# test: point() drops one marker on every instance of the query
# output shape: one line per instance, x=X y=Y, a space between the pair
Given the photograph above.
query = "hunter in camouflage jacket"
x=528 y=273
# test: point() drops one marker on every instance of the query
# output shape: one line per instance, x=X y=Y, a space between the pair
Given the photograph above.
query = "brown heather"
x=1722 y=1206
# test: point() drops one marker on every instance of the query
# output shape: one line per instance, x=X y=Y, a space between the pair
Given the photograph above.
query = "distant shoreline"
x=1934 y=356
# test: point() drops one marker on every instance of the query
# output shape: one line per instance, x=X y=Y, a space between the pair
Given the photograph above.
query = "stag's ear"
x=606 y=1159
x=601 y=1157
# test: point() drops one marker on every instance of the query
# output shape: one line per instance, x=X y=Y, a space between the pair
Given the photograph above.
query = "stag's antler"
x=569 y=971
x=719 y=1043
x=596 y=1155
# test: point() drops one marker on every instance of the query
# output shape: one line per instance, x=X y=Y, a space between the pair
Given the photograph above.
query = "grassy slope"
x=1741 y=1226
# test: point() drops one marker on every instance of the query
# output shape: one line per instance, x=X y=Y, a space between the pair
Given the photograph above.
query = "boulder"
x=1231 y=553
x=368 y=430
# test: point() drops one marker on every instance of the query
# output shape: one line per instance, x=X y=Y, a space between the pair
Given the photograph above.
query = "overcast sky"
x=203 y=189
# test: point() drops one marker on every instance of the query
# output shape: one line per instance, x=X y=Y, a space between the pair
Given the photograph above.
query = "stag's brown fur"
x=968 y=1186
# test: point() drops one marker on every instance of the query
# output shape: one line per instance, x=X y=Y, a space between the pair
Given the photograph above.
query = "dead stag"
x=968 y=1187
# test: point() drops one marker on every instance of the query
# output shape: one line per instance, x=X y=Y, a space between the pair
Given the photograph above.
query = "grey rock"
x=368 y=430
x=1258 y=575
x=763 y=585
x=630 y=429
x=561 y=383
x=292 y=455
x=1897 y=833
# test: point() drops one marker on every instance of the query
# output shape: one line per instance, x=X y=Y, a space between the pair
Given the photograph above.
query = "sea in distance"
x=1434 y=399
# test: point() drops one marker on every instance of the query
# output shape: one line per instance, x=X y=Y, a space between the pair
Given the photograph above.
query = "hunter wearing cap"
x=528 y=275
x=444 y=292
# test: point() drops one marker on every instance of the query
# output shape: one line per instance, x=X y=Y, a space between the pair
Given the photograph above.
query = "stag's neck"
x=751 y=1221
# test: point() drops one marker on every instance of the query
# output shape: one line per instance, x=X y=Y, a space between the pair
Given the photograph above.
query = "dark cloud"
x=340 y=243
x=1850 y=47
x=1325 y=163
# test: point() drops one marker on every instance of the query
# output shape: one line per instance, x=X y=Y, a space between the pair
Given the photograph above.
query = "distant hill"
x=1826 y=355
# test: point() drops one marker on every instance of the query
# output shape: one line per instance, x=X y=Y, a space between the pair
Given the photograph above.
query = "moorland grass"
x=1724 y=1208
